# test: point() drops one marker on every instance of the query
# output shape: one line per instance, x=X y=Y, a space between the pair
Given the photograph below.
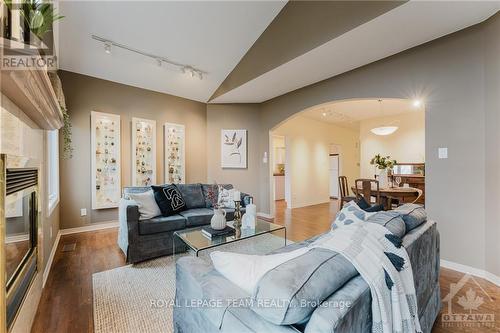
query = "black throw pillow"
x=367 y=207
x=169 y=199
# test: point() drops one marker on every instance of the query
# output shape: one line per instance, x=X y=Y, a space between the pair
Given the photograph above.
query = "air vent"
x=19 y=179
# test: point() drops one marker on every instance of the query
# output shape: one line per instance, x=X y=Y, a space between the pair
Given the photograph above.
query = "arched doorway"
x=346 y=125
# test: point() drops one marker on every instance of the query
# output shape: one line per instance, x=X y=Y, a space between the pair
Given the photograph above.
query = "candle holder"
x=237 y=214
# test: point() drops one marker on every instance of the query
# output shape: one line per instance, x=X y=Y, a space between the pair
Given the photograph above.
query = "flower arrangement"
x=383 y=163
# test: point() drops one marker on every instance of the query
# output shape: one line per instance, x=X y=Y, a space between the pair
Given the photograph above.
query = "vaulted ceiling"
x=252 y=50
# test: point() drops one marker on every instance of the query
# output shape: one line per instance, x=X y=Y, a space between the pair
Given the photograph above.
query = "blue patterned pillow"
x=349 y=214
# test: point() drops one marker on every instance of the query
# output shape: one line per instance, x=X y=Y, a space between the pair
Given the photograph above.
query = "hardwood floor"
x=66 y=303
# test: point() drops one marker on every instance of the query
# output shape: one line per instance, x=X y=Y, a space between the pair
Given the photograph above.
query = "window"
x=53 y=169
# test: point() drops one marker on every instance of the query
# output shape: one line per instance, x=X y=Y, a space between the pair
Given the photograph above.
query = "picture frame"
x=234 y=148
x=105 y=159
x=175 y=153
x=143 y=152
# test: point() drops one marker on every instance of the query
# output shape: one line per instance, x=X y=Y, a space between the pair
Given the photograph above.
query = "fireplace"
x=21 y=228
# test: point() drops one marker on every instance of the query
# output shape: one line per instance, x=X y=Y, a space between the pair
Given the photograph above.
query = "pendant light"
x=383 y=129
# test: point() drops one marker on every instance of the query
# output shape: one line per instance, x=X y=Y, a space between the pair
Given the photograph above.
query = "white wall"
x=406 y=145
x=308 y=146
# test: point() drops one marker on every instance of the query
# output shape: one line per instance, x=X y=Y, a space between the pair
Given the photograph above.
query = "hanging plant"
x=67 y=152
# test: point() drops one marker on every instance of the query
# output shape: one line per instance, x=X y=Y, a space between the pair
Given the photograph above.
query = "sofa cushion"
x=391 y=220
x=192 y=194
x=169 y=199
x=148 y=208
x=197 y=216
x=413 y=215
x=349 y=214
x=162 y=224
x=205 y=188
x=300 y=284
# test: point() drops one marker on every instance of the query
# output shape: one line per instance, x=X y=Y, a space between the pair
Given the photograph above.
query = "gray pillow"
x=413 y=215
x=392 y=220
x=299 y=286
x=192 y=194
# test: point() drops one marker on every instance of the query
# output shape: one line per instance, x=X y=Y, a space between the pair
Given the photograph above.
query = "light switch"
x=83 y=212
x=443 y=152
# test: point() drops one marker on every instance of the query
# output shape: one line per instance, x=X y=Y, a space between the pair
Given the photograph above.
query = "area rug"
x=135 y=298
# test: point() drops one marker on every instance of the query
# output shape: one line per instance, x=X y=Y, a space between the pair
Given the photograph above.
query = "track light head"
x=107 y=47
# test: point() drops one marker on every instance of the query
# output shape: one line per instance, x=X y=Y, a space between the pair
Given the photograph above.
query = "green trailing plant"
x=67 y=152
x=38 y=15
x=383 y=163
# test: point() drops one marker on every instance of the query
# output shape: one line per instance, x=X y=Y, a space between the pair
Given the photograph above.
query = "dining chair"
x=344 y=191
x=368 y=188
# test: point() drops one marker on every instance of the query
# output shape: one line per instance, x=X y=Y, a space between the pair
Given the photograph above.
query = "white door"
x=334 y=176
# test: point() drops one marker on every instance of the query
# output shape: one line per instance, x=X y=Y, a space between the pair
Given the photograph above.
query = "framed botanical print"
x=105 y=160
x=175 y=153
x=234 y=148
x=143 y=152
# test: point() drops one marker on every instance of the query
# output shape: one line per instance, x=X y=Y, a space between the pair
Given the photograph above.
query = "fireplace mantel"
x=31 y=90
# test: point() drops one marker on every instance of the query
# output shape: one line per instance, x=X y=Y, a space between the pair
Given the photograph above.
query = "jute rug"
x=139 y=298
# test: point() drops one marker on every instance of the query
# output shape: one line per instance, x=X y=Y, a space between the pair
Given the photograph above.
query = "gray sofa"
x=306 y=278
x=146 y=239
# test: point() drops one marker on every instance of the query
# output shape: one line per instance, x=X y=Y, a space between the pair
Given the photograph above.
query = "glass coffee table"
x=195 y=240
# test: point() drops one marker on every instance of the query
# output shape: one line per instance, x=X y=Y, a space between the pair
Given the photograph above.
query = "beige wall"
x=453 y=75
x=19 y=136
x=85 y=94
x=406 y=145
x=492 y=138
x=307 y=157
x=235 y=117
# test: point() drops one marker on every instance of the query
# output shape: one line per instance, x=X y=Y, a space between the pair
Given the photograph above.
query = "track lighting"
x=160 y=61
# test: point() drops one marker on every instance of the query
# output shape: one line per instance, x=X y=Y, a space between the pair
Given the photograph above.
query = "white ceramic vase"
x=383 y=178
x=218 y=221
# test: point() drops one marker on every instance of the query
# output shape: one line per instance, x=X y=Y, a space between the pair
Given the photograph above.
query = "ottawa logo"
x=472 y=308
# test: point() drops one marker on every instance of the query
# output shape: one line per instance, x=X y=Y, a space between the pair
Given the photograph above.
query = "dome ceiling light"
x=384 y=129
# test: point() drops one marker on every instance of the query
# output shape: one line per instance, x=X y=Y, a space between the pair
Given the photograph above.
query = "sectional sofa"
x=146 y=239
x=319 y=291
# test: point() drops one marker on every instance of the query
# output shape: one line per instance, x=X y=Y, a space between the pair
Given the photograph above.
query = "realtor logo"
x=26 y=35
x=471 y=299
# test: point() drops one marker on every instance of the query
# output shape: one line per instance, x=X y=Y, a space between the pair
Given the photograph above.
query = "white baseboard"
x=92 y=227
x=265 y=216
x=46 y=271
x=471 y=270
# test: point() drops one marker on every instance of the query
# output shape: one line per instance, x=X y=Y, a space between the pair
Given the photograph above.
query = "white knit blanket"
x=371 y=248
x=365 y=245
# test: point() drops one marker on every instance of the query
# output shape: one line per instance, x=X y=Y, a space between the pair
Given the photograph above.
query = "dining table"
x=388 y=194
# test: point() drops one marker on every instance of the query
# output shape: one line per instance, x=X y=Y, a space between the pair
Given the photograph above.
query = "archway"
x=345 y=124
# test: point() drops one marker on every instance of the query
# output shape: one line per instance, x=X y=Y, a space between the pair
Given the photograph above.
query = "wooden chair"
x=344 y=191
x=368 y=188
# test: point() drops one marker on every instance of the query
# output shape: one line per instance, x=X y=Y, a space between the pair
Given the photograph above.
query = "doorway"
x=334 y=176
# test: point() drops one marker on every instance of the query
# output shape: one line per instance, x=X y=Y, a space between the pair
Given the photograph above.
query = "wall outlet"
x=443 y=152
x=83 y=212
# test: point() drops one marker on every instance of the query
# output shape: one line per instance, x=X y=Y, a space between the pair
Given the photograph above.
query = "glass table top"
x=195 y=239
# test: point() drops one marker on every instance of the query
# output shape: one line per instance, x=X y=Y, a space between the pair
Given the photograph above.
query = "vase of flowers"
x=218 y=220
x=384 y=165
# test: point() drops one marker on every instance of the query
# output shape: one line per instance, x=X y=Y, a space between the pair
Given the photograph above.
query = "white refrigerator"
x=334 y=176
